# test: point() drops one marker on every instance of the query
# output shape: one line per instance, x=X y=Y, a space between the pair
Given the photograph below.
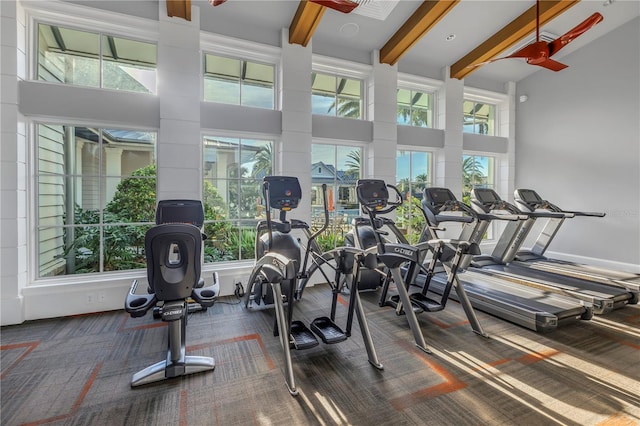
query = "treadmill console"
x=284 y=192
x=180 y=211
x=372 y=193
x=528 y=197
x=435 y=198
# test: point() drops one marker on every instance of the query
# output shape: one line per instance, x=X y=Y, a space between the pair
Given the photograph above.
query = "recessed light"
x=450 y=37
x=607 y=2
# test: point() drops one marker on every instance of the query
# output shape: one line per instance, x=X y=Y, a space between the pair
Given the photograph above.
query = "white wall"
x=577 y=145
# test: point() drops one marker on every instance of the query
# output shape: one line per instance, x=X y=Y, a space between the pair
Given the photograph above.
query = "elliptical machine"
x=278 y=268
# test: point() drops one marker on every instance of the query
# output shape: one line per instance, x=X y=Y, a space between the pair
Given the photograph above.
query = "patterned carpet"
x=77 y=371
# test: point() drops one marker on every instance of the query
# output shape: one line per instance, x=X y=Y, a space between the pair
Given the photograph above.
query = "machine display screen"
x=529 y=196
x=486 y=196
x=438 y=196
x=180 y=211
x=284 y=192
x=372 y=192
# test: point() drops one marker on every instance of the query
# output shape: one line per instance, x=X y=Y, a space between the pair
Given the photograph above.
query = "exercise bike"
x=273 y=280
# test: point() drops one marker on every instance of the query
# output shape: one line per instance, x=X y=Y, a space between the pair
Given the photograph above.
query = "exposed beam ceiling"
x=423 y=19
x=513 y=32
x=179 y=9
x=304 y=22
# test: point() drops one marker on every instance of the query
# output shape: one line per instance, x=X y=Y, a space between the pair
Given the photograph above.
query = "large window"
x=336 y=95
x=339 y=167
x=95 y=198
x=477 y=172
x=415 y=108
x=238 y=82
x=232 y=194
x=479 y=118
x=86 y=58
x=413 y=175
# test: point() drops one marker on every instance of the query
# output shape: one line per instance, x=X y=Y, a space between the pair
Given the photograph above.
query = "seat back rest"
x=173 y=260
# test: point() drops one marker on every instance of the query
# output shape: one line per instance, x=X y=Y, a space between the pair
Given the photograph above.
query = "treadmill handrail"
x=509 y=217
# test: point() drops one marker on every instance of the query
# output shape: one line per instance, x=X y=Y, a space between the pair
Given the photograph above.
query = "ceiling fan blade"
x=551 y=65
x=565 y=39
x=537 y=49
x=216 y=2
x=344 y=6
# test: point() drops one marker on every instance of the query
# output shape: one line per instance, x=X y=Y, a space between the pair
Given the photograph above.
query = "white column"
x=506 y=184
x=294 y=150
x=13 y=166
x=450 y=118
x=179 y=141
x=383 y=110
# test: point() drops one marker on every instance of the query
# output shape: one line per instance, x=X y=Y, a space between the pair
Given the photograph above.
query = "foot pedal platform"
x=395 y=299
x=425 y=303
x=303 y=338
x=327 y=330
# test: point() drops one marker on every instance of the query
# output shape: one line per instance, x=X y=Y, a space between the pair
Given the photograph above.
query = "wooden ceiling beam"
x=428 y=14
x=512 y=33
x=179 y=9
x=304 y=22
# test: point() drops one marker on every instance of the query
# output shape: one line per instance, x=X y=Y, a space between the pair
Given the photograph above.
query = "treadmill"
x=529 y=201
x=528 y=307
x=603 y=298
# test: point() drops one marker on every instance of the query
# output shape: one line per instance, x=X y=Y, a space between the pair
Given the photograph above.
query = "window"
x=477 y=172
x=415 y=108
x=339 y=167
x=479 y=118
x=336 y=96
x=238 y=82
x=85 y=58
x=232 y=194
x=413 y=175
x=95 y=198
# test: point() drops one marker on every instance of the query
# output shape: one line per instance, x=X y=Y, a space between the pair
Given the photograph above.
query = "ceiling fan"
x=539 y=52
x=344 y=6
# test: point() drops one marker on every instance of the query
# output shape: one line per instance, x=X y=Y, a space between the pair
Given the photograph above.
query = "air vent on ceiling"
x=376 y=9
x=544 y=36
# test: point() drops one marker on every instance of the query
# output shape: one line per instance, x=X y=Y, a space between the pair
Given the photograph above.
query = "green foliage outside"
x=123 y=245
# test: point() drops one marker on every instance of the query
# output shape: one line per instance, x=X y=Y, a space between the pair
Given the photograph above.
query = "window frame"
x=494 y=165
x=425 y=85
x=341 y=68
x=87 y=20
x=334 y=225
x=101 y=179
x=275 y=140
x=499 y=102
x=430 y=181
x=219 y=45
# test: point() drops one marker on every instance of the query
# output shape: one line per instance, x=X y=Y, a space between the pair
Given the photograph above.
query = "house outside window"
x=95 y=198
x=239 y=82
x=413 y=174
x=415 y=108
x=336 y=95
x=339 y=167
x=233 y=170
x=479 y=117
x=94 y=59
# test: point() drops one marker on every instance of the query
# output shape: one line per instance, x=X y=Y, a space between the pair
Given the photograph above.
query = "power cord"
x=239 y=291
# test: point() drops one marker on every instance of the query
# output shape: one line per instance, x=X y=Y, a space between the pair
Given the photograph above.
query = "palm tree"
x=472 y=175
x=264 y=160
x=353 y=163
